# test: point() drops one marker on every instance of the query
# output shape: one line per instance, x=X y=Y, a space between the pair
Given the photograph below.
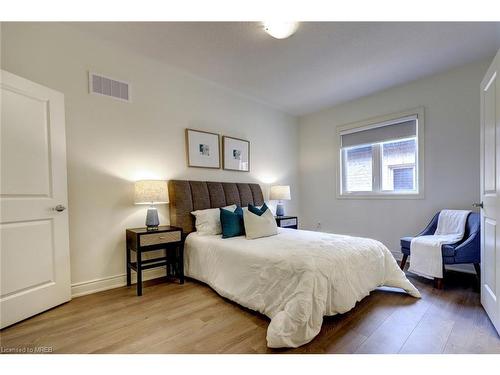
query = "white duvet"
x=295 y=277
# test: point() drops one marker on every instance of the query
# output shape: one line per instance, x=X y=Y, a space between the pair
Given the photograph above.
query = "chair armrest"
x=427 y=232
x=468 y=251
x=469 y=242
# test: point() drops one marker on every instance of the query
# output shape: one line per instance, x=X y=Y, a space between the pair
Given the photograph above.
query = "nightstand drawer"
x=288 y=222
x=159 y=238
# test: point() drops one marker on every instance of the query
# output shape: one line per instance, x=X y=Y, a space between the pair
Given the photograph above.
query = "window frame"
x=377 y=159
x=394 y=167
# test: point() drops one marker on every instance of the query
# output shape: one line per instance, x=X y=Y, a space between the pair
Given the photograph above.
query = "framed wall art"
x=202 y=149
x=235 y=154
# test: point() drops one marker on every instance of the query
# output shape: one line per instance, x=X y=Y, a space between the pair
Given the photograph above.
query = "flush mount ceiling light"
x=280 y=30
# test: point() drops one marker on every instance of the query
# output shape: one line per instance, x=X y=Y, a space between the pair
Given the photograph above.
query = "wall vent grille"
x=101 y=85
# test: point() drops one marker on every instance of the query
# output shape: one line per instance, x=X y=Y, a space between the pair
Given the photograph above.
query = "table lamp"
x=280 y=193
x=151 y=192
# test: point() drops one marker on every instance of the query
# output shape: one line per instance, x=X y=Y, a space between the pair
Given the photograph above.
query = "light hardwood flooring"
x=192 y=318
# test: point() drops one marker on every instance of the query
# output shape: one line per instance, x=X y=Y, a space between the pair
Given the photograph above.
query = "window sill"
x=402 y=196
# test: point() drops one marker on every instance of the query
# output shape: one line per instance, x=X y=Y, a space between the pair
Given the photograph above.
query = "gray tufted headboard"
x=187 y=196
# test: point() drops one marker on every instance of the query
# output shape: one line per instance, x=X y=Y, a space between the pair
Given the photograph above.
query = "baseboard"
x=397 y=255
x=111 y=282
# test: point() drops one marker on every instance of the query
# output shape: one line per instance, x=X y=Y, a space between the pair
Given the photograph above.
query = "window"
x=381 y=158
x=359 y=172
x=403 y=179
x=398 y=165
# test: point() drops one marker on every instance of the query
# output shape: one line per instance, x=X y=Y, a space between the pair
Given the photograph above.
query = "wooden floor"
x=191 y=318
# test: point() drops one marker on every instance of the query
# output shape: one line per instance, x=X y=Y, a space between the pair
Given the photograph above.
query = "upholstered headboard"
x=187 y=196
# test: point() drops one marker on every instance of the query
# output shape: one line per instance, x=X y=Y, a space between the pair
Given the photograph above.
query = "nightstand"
x=141 y=241
x=291 y=222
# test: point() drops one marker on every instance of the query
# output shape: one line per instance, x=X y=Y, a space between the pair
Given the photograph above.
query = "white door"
x=35 y=268
x=490 y=192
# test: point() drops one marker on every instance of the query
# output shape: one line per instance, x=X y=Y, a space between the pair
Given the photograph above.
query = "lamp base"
x=152 y=220
x=280 y=209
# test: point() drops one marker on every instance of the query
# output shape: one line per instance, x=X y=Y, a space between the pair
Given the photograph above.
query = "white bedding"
x=295 y=277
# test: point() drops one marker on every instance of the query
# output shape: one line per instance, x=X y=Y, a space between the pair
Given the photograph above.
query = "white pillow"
x=208 y=221
x=269 y=206
x=246 y=207
x=259 y=226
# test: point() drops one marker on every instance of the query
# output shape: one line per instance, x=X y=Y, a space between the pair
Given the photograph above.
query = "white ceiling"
x=323 y=64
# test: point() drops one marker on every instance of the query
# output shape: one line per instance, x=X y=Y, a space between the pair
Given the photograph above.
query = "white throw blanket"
x=426 y=256
x=295 y=277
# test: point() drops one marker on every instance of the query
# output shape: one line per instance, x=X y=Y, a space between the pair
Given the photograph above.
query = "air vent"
x=101 y=85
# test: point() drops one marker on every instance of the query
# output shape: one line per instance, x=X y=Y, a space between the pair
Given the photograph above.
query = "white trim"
x=377 y=167
x=490 y=82
x=98 y=285
x=397 y=255
x=380 y=195
x=419 y=112
x=400 y=166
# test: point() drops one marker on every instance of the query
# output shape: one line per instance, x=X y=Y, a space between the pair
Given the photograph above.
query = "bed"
x=295 y=278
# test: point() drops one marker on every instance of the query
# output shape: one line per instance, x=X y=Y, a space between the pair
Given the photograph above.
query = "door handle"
x=59 y=208
x=477 y=205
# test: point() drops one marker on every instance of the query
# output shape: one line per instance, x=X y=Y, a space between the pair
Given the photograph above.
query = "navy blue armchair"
x=466 y=251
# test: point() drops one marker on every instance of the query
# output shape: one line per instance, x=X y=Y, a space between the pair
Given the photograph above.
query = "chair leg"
x=438 y=283
x=403 y=261
x=477 y=267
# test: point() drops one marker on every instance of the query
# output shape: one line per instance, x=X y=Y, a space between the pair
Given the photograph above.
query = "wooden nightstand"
x=291 y=222
x=141 y=241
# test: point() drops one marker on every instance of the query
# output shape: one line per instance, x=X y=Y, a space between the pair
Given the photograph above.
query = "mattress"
x=295 y=278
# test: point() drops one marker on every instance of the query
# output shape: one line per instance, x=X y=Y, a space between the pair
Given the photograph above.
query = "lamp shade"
x=280 y=193
x=151 y=192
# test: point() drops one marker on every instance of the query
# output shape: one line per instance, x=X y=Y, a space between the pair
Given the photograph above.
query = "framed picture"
x=236 y=154
x=202 y=149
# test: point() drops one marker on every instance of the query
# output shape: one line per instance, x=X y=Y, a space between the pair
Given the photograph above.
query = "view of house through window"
x=398 y=165
x=381 y=159
x=359 y=161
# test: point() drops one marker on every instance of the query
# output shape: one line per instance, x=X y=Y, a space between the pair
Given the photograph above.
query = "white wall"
x=451 y=102
x=110 y=144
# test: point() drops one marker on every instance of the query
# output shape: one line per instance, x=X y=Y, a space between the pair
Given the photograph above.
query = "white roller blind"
x=390 y=130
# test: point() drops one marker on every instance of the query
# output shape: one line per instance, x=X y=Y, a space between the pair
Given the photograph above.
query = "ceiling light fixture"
x=280 y=30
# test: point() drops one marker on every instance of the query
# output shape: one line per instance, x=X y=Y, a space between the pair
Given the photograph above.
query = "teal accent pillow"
x=232 y=222
x=256 y=210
